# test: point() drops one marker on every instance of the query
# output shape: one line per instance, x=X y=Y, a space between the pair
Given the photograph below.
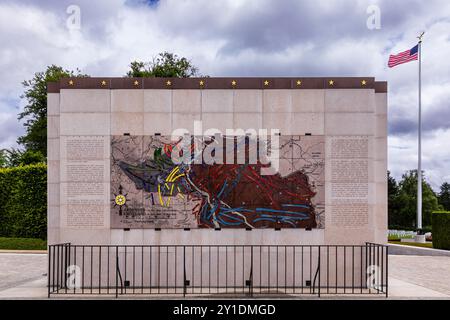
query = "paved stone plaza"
x=23 y=275
x=410 y=277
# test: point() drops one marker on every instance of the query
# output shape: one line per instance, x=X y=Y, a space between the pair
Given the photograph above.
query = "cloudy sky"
x=245 y=38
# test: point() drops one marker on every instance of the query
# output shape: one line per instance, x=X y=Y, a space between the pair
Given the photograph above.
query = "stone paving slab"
x=398 y=249
x=24 y=251
x=399 y=289
x=425 y=271
x=17 y=269
x=35 y=289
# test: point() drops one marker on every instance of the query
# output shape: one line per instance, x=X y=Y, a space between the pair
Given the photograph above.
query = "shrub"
x=23 y=205
x=441 y=229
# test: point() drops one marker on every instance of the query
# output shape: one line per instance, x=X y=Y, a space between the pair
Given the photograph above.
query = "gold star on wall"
x=103 y=83
x=299 y=82
x=201 y=83
x=136 y=83
x=70 y=82
x=266 y=83
x=331 y=82
x=233 y=83
x=363 y=83
x=168 y=83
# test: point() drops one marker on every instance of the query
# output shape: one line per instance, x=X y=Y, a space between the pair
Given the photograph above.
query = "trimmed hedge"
x=441 y=229
x=23 y=201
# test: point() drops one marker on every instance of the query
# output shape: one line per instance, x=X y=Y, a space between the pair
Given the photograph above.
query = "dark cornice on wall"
x=219 y=83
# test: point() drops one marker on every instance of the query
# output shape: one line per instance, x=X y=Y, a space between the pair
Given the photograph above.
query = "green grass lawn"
x=413 y=244
x=22 y=244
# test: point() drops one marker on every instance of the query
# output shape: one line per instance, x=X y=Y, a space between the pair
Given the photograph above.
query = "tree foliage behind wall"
x=34 y=114
x=402 y=202
x=441 y=230
x=444 y=196
x=166 y=64
x=23 y=205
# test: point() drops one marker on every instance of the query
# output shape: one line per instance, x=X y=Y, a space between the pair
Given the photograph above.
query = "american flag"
x=404 y=57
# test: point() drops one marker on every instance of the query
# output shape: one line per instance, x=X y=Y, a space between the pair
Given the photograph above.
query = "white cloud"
x=245 y=38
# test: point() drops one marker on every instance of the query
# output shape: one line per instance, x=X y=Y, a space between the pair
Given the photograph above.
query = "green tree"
x=444 y=196
x=394 y=218
x=16 y=157
x=407 y=199
x=3 y=158
x=163 y=65
x=35 y=111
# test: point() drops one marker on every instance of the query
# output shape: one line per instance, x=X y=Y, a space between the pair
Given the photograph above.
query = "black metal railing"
x=250 y=270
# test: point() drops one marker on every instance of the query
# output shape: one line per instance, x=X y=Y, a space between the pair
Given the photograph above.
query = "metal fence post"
x=49 y=272
x=251 y=271
x=66 y=263
x=117 y=272
x=184 y=271
x=319 y=272
x=387 y=268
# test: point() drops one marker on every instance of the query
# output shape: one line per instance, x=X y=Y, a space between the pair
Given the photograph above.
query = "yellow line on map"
x=178 y=176
x=170 y=197
x=160 y=197
x=174 y=170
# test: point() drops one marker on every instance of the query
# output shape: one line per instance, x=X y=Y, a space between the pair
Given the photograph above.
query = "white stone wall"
x=336 y=113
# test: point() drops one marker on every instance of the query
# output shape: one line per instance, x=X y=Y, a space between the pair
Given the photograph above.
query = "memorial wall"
x=113 y=177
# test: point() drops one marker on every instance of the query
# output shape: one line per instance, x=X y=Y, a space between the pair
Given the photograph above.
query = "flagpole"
x=419 y=166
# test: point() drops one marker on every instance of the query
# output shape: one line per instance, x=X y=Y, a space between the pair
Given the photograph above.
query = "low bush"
x=23 y=201
x=22 y=244
x=441 y=229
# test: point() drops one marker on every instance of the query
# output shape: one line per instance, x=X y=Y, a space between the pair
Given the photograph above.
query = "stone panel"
x=277 y=101
x=53 y=194
x=221 y=121
x=248 y=100
x=248 y=120
x=312 y=123
x=308 y=100
x=185 y=121
x=53 y=236
x=349 y=124
x=282 y=121
x=228 y=236
x=85 y=148
x=186 y=101
x=53 y=127
x=127 y=100
x=53 y=104
x=157 y=123
x=84 y=216
x=157 y=100
x=85 y=100
x=53 y=171
x=380 y=170
x=85 y=171
x=381 y=103
x=349 y=100
x=355 y=236
x=380 y=148
x=217 y=101
x=127 y=122
x=381 y=127
x=80 y=192
x=85 y=236
x=85 y=124
x=53 y=216
x=53 y=149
